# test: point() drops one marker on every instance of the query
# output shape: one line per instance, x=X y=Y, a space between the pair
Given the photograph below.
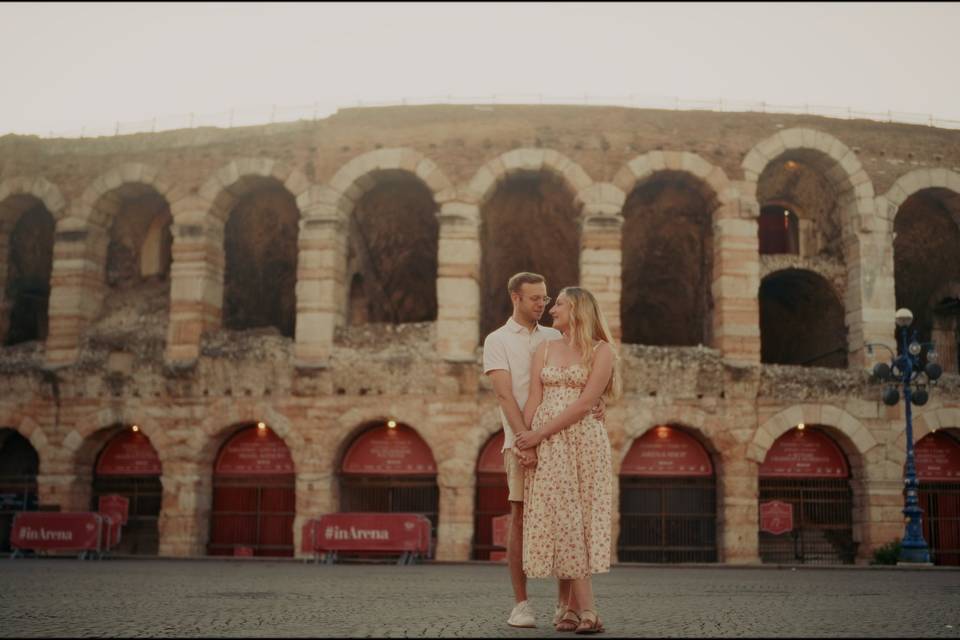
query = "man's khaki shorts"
x=514 y=476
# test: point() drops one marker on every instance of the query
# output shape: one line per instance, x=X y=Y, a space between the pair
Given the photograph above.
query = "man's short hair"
x=517 y=280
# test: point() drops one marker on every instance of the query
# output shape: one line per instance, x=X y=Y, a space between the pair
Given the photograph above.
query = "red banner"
x=55 y=531
x=776 y=517
x=372 y=532
x=254 y=451
x=115 y=504
x=666 y=451
x=937 y=457
x=129 y=453
x=806 y=453
x=491 y=459
x=386 y=451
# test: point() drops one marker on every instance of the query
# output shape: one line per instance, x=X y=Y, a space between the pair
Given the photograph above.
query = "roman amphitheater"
x=243 y=329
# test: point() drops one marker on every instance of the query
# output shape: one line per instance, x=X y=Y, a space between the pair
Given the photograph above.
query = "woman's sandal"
x=570 y=621
x=589 y=622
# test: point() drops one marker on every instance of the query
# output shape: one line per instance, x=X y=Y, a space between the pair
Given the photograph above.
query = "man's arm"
x=503 y=389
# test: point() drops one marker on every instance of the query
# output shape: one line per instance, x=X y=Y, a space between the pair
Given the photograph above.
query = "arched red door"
x=938 y=470
x=492 y=493
x=807 y=470
x=253 y=496
x=390 y=470
x=128 y=465
x=668 y=500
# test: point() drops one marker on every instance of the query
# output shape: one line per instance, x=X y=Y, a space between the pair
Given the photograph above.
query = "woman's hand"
x=528 y=439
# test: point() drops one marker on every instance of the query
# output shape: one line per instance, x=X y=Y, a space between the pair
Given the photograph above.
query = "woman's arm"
x=536 y=386
x=579 y=408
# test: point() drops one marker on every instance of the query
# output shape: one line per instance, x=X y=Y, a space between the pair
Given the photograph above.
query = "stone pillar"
x=196 y=286
x=76 y=287
x=871 y=300
x=739 y=513
x=315 y=497
x=882 y=518
x=457 y=484
x=736 y=283
x=321 y=291
x=184 y=523
x=601 y=264
x=458 y=282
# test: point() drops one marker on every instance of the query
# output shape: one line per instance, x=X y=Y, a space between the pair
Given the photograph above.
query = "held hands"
x=600 y=410
x=527 y=459
x=528 y=440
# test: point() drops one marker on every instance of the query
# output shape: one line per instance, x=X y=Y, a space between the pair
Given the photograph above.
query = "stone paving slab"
x=238 y=598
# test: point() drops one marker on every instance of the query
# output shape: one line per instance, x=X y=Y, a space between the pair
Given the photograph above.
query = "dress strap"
x=546 y=350
x=597 y=345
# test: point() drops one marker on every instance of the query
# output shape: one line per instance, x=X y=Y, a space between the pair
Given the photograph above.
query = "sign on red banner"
x=806 y=453
x=491 y=459
x=115 y=504
x=501 y=529
x=129 y=453
x=776 y=517
x=47 y=531
x=937 y=458
x=666 y=451
x=254 y=451
x=373 y=532
x=386 y=451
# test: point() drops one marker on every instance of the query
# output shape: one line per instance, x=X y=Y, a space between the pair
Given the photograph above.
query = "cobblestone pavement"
x=242 y=598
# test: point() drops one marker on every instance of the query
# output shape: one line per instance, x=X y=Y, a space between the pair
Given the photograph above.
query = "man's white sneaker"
x=522 y=615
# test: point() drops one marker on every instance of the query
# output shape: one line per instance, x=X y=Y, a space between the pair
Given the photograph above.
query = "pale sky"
x=67 y=66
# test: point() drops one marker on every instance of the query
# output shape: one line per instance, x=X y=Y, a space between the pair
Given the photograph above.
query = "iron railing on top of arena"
x=268 y=114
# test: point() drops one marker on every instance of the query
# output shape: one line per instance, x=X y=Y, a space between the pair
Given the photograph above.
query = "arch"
x=839 y=164
x=12 y=190
x=484 y=181
x=218 y=195
x=918 y=180
x=226 y=418
x=927 y=422
x=645 y=165
x=100 y=201
x=340 y=195
x=826 y=415
x=354 y=423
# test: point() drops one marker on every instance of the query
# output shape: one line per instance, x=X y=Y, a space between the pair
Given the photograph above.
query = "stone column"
x=76 y=287
x=315 y=497
x=739 y=515
x=184 y=523
x=321 y=290
x=736 y=282
x=458 y=282
x=871 y=300
x=601 y=264
x=457 y=484
x=196 y=285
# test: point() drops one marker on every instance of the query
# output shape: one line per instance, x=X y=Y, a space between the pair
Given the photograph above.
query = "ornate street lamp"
x=905 y=371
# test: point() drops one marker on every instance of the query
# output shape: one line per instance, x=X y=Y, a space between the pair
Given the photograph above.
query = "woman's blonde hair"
x=588 y=327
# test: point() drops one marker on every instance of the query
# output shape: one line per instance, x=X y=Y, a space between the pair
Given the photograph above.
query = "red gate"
x=253 y=496
x=492 y=493
x=938 y=470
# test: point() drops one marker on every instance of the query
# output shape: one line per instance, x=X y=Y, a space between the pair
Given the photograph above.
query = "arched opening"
x=668 y=500
x=392 y=259
x=140 y=240
x=260 y=255
x=530 y=223
x=29 y=265
x=797 y=181
x=808 y=471
x=926 y=259
x=668 y=261
x=779 y=230
x=128 y=466
x=937 y=457
x=19 y=464
x=390 y=470
x=492 y=493
x=801 y=321
x=254 y=499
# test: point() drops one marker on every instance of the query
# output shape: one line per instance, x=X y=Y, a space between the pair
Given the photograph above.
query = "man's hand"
x=600 y=410
x=527 y=459
x=528 y=440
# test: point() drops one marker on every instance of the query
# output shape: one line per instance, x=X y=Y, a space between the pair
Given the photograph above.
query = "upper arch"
x=647 y=164
x=484 y=181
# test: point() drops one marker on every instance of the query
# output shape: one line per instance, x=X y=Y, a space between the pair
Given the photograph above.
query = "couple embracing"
x=551 y=385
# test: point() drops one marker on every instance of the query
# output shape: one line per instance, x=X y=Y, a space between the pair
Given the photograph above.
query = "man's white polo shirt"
x=511 y=347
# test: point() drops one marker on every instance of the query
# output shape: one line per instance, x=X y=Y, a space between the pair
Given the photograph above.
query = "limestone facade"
x=162 y=358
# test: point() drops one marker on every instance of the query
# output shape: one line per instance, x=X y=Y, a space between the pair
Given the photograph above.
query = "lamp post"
x=905 y=371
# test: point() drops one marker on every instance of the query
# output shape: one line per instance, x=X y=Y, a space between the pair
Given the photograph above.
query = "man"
x=507 y=355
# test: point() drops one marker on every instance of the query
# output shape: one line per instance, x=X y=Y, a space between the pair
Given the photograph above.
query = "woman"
x=567 y=518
